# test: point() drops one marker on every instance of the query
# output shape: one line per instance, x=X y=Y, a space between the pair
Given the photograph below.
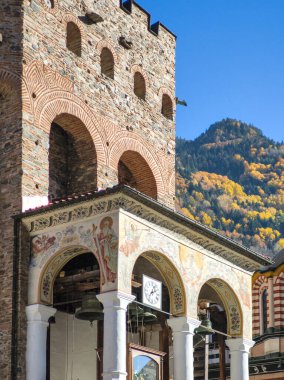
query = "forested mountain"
x=231 y=178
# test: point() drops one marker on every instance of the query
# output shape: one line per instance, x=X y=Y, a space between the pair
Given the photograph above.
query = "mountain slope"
x=231 y=178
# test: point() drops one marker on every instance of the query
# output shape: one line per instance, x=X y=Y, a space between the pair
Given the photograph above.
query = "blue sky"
x=230 y=61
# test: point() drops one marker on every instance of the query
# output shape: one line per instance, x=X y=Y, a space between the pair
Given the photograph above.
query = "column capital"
x=115 y=299
x=39 y=313
x=183 y=324
x=240 y=344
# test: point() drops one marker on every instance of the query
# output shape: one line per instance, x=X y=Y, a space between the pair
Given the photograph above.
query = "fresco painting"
x=51 y=251
x=184 y=267
x=195 y=267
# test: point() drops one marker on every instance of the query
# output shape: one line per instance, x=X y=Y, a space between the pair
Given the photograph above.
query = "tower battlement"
x=155 y=28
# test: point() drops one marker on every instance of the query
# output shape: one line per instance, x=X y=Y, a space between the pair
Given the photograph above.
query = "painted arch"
x=53 y=267
x=231 y=304
x=172 y=279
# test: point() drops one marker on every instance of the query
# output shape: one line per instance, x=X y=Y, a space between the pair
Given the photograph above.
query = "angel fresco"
x=106 y=241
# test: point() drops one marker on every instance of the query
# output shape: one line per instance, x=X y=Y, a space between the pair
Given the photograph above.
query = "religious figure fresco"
x=131 y=240
x=106 y=242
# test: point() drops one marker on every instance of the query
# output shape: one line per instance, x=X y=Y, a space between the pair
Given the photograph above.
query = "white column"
x=271 y=304
x=239 y=350
x=183 y=332
x=114 y=354
x=37 y=323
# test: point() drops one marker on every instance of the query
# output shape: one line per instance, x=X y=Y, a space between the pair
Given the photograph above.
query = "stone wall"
x=60 y=81
x=10 y=164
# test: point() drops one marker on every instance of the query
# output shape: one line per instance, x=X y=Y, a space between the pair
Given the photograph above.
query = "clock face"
x=152 y=292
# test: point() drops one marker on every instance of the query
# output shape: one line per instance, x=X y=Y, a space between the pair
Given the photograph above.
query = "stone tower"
x=86 y=101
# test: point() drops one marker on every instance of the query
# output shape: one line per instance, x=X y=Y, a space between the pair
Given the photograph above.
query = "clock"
x=152 y=292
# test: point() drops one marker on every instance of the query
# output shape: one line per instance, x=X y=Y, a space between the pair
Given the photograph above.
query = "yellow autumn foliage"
x=269 y=233
x=226 y=222
x=206 y=219
x=187 y=213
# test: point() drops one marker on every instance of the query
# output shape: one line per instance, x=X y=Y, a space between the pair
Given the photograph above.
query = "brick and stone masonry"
x=72 y=119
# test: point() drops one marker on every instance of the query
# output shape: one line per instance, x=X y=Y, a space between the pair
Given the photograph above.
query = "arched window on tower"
x=72 y=158
x=134 y=171
x=263 y=311
x=107 y=63
x=139 y=86
x=73 y=38
x=167 y=107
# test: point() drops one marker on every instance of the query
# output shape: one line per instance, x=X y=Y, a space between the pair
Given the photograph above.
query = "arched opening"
x=148 y=331
x=139 y=86
x=75 y=335
x=167 y=107
x=107 y=63
x=218 y=309
x=134 y=171
x=73 y=38
x=159 y=294
x=72 y=158
x=264 y=311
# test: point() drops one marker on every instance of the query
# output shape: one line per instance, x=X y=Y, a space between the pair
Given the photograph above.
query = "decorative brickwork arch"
x=74 y=30
x=165 y=91
x=73 y=38
x=141 y=82
x=167 y=103
x=134 y=171
x=108 y=45
x=125 y=144
x=55 y=103
x=51 y=269
x=41 y=78
x=258 y=286
x=230 y=303
x=278 y=289
x=172 y=278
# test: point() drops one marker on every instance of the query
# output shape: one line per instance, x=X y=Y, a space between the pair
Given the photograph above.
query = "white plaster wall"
x=73 y=344
x=195 y=264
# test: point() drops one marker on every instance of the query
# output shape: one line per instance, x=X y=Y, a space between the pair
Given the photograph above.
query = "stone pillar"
x=183 y=332
x=239 y=350
x=37 y=323
x=271 y=320
x=114 y=355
